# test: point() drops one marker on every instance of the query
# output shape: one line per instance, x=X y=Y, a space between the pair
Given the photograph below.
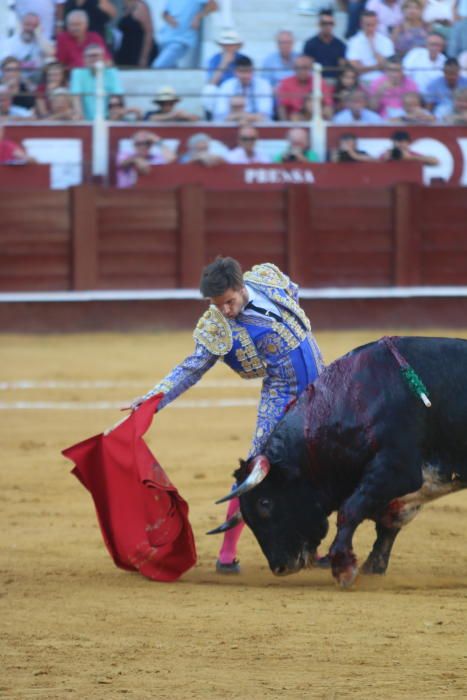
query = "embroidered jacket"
x=284 y=353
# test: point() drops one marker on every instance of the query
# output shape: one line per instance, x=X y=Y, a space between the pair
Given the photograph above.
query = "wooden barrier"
x=95 y=238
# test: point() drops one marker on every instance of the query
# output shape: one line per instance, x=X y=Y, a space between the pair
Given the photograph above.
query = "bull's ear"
x=242 y=472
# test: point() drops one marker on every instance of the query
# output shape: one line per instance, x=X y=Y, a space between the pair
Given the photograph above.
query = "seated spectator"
x=99 y=13
x=72 y=43
x=457 y=38
x=325 y=48
x=256 y=91
x=348 y=79
x=28 y=46
x=425 y=64
x=401 y=150
x=83 y=82
x=20 y=90
x=10 y=152
x=388 y=12
x=388 y=91
x=297 y=149
x=292 y=91
x=439 y=93
x=247 y=150
x=237 y=112
x=181 y=23
x=200 y=150
x=62 y=106
x=368 y=50
x=458 y=115
x=411 y=112
x=148 y=150
x=221 y=66
x=167 y=111
x=439 y=12
x=137 y=46
x=412 y=32
x=348 y=152
x=8 y=110
x=280 y=64
x=356 y=111
x=50 y=13
x=118 y=112
x=53 y=77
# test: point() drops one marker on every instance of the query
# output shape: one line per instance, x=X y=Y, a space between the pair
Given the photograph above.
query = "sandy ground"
x=74 y=626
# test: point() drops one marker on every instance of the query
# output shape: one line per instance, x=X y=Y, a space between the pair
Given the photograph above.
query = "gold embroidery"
x=214 y=332
x=267 y=274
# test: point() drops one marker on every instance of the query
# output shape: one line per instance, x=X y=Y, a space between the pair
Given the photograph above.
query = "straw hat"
x=166 y=94
x=229 y=37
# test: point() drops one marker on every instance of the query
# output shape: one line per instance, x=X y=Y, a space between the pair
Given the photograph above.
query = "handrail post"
x=317 y=124
x=100 y=135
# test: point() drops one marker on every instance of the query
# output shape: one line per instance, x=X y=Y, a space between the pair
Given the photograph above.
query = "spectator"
x=72 y=43
x=458 y=116
x=28 y=46
x=401 y=150
x=325 y=48
x=368 y=49
x=458 y=38
x=292 y=91
x=182 y=21
x=167 y=111
x=347 y=81
x=137 y=46
x=8 y=110
x=439 y=94
x=387 y=92
x=412 y=111
x=256 y=91
x=348 y=152
x=425 y=64
x=412 y=32
x=99 y=13
x=388 y=12
x=247 y=150
x=221 y=66
x=118 y=112
x=356 y=111
x=50 y=13
x=355 y=9
x=62 y=106
x=237 y=112
x=21 y=90
x=298 y=148
x=83 y=82
x=280 y=64
x=53 y=77
x=148 y=150
x=10 y=152
x=200 y=149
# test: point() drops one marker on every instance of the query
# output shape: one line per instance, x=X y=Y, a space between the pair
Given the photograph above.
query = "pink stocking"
x=228 y=550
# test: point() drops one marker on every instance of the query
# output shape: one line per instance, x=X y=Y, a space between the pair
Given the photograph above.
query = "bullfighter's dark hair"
x=219 y=276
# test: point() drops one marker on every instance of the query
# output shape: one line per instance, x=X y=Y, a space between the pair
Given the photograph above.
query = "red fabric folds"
x=143 y=519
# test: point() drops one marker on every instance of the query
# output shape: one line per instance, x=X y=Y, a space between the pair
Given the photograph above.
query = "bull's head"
x=282 y=510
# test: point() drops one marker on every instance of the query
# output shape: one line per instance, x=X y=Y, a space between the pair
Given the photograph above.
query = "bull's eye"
x=264 y=506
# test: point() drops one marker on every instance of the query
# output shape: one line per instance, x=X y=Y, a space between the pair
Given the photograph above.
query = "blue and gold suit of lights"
x=284 y=353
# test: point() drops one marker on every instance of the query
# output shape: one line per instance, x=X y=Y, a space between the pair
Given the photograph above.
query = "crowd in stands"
x=401 y=61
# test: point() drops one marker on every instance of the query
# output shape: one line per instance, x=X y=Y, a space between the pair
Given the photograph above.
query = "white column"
x=99 y=127
x=318 y=125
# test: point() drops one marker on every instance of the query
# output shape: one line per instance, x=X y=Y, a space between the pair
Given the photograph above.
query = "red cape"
x=143 y=519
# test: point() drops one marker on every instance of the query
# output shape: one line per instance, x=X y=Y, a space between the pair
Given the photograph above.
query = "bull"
x=366 y=439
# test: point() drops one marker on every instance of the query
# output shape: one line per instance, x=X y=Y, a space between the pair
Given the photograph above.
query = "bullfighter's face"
x=231 y=302
x=286 y=519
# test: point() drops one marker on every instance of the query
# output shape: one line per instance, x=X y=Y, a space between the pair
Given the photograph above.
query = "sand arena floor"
x=74 y=626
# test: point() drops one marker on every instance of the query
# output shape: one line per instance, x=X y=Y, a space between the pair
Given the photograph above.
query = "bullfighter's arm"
x=182 y=377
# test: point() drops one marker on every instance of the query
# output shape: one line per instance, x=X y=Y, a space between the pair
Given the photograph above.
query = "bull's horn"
x=235 y=520
x=259 y=470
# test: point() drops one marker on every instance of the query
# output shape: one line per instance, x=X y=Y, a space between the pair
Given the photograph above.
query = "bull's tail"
x=411 y=377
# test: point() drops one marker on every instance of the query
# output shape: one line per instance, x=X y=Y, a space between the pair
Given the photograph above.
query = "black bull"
x=360 y=442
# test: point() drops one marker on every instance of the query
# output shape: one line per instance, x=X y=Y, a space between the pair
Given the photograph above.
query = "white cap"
x=229 y=37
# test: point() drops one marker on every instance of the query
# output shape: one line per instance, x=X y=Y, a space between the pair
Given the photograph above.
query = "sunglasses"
x=325 y=23
x=115 y=104
x=247 y=138
x=143 y=143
